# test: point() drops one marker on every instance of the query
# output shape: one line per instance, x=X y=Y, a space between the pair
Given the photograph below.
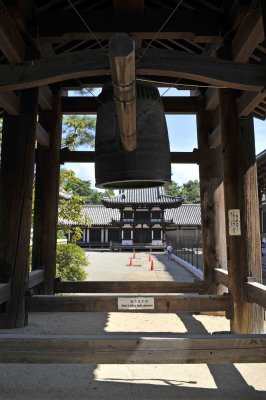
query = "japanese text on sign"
x=135 y=303
x=234 y=222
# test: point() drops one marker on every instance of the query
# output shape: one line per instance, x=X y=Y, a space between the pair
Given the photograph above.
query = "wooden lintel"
x=45 y=98
x=5 y=292
x=89 y=157
x=162 y=62
x=256 y=293
x=35 y=278
x=248 y=101
x=248 y=36
x=215 y=138
x=129 y=287
x=221 y=276
x=132 y=349
x=42 y=137
x=9 y=101
x=90 y=105
x=107 y=303
x=195 y=25
x=11 y=41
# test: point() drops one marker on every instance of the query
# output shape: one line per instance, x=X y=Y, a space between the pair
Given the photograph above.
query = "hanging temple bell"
x=149 y=165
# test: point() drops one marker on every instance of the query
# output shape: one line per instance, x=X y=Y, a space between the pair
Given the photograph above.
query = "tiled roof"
x=187 y=214
x=99 y=215
x=142 y=196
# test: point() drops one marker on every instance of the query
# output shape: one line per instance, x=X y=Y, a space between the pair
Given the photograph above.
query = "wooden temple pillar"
x=242 y=213
x=212 y=198
x=16 y=182
x=46 y=197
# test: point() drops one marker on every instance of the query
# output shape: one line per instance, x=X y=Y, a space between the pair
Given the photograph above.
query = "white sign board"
x=234 y=222
x=135 y=303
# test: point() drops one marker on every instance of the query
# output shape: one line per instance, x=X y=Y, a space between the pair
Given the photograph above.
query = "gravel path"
x=114 y=266
x=128 y=381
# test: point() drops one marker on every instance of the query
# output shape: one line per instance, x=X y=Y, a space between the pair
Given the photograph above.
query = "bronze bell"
x=149 y=165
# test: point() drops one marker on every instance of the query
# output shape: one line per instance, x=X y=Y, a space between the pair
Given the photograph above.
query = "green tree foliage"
x=71 y=262
x=78 y=130
x=70 y=211
x=71 y=184
x=190 y=191
x=173 y=189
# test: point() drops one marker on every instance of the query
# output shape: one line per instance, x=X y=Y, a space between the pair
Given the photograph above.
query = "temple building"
x=138 y=218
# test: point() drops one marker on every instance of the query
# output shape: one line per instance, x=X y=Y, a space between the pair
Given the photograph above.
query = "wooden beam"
x=248 y=101
x=221 y=276
x=42 y=137
x=5 y=292
x=45 y=98
x=122 y=62
x=248 y=36
x=199 y=25
x=90 y=105
x=9 y=101
x=129 y=287
x=256 y=293
x=89 y=157
x=185 y=157
x=46 y=196
x=242 y=212
x=132 y=349
x=162 y=62
x=211 y=98
x=11 y=42
x=107 y=303
x=35 y=278
x=16 y=180
x=212 y=201
x=215 y=138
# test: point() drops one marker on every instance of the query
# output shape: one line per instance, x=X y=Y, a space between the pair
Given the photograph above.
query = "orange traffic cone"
x=152 y=265
x=150 y=258
x=130 y=262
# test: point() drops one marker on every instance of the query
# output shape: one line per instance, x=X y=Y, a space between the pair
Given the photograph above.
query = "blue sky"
x=182 y=137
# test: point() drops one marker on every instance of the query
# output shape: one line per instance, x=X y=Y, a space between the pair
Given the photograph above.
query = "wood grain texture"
x=241 y=192
x=35 y=278
x=46 y=196
x=129 y=287
x=212 y=200
x=256 y=293
x=221 y=276
x=133 y=349
x=16 y=181
x=107 y=303
x=5 y=292
x=122 y=62
x=160 y=62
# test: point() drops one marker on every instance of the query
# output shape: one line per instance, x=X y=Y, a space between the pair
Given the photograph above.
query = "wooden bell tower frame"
x=32 y=78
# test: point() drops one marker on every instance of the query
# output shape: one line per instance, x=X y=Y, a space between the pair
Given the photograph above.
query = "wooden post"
x=212 y=201
x=122 y=60
x=242 y=212
x=46 y=196
x=16 y=180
